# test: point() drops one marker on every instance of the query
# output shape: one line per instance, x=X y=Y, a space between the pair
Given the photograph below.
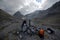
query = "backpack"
x=41 y=32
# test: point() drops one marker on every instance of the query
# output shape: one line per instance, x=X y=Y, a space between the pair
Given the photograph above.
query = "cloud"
x=33 y=5
x=25 y=6
x=11 y=6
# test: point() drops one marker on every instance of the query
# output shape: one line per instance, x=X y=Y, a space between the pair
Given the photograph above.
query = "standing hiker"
x=24 y=26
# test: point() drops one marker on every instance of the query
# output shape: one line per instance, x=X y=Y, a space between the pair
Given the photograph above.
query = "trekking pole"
x=29 y=23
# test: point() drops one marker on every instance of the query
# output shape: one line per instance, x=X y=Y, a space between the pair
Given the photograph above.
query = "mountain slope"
x=4 y=16
x=55 y=7
x=8 y=23
x=54 y=11
x=36 y=14
x=53 y=17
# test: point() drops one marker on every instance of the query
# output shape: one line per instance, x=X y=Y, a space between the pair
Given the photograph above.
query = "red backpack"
x=41 y=32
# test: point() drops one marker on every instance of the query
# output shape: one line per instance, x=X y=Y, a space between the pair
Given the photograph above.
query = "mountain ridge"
x=18 y=15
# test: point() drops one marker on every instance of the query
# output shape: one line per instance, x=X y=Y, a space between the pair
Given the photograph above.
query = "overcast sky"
x=25 y=6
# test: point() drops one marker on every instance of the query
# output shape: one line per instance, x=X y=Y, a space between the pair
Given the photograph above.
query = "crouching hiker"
x=50 y=31
x=41 y=33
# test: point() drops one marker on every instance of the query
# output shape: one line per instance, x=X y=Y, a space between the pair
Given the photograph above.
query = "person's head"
x=24 y=21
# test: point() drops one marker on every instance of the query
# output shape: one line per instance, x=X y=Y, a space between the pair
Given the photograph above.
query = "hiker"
x=41 y=33
x=24 y=26
x=33 y=30
x=50 y=31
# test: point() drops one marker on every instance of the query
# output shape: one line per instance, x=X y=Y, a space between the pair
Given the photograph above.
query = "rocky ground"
x=15 y=27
